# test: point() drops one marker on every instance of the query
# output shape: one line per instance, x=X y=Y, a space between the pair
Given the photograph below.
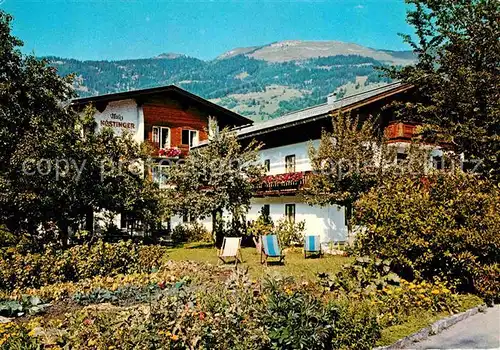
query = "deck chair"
x=270 y=248
x=231 y=248
x=312 y=246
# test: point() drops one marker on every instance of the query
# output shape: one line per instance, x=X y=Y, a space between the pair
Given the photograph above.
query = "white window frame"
x=158 y=136
x=160 y=180
x=195 y=139
x=289 y=217
x=293 y=165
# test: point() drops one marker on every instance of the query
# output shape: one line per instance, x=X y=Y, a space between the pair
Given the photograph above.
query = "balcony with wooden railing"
x=180 y=151
x=282 y=184
x=400 y=131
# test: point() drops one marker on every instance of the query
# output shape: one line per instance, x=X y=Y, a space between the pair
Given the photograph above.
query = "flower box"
x=172 y=152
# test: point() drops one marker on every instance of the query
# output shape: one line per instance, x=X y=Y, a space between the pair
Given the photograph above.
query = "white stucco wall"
x=122 y=116
x=277 y=157
x=328 y=221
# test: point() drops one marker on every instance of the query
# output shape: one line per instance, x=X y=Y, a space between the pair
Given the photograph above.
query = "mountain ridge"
x=260 y=82
x=298 y=50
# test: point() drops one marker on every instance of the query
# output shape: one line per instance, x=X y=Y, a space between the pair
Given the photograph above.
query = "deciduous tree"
x=214 y=178
x=457 y=76
x=55 y=167
x=346 y=163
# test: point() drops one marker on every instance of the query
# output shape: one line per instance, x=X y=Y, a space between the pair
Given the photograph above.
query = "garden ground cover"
x=197 y=304
x=295 y=264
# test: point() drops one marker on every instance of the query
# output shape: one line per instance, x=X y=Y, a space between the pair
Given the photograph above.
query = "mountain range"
x=260 y=82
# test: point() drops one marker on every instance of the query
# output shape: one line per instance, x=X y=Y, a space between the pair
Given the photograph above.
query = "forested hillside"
x=257 y=88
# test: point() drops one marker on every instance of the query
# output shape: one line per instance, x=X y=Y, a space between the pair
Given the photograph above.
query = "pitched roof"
x=235 y=118
x=321 y=111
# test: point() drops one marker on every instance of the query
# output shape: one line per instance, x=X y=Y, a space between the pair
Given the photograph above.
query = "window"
x=348 y=212
x=159 y=175
x=190 y=137
x=267 y=165
x=265 y=211
x=290 y=212
x=187 y=218
x=290 y=163
x=401 y=157
x=129 y=223
x=437 y=162
x=161 y=136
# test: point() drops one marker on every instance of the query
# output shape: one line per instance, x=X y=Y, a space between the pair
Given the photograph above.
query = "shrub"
x=25 y=270
x=289 y=232
x=235 y=314
x=191 y=232
x=17 y=336
x=262 y=226
x=355 y=327
x=364 y=275
x=444 y=225
x=296 y=319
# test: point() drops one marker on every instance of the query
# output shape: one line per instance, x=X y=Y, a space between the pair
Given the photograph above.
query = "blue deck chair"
x=312 y=246
x=270 y=249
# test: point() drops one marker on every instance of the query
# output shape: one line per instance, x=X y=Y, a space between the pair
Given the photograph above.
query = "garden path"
x=480 y=331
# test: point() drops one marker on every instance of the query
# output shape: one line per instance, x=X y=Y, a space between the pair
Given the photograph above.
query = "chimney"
x=331 y=98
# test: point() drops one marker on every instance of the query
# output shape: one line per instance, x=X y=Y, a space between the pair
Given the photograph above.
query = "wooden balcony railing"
x=281 y=184
x=180 y=151
x=400 y=131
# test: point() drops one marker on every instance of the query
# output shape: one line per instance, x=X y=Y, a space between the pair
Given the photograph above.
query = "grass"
x=295 y=264
x=414 y=323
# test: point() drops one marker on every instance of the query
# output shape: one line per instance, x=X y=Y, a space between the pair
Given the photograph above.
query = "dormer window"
x=161 y=136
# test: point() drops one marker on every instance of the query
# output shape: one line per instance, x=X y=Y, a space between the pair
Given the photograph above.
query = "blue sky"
x=115 y=29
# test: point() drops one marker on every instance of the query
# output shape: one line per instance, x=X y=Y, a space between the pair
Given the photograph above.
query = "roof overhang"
x=141 y=96
x=323 y=111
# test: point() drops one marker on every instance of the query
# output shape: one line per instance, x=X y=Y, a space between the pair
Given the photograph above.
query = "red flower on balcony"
x=169 y=152
x=280 y=178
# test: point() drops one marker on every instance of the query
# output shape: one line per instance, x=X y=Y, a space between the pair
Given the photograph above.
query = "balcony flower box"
x=282 y=181
x=172 y=152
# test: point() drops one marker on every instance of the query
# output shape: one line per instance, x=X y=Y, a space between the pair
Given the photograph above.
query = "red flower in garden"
x=88 y=322
x=202 y=315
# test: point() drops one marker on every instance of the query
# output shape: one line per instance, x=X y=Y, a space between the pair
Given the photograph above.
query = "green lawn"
x=295 y=264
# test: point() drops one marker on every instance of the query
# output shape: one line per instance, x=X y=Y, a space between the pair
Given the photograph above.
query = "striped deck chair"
x=312 y=246
x=231 y=248
x=270 y=249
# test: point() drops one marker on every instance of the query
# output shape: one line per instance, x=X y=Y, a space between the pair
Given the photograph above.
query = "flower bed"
x=190 y=305
x=233 y=314
x=19 y=270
